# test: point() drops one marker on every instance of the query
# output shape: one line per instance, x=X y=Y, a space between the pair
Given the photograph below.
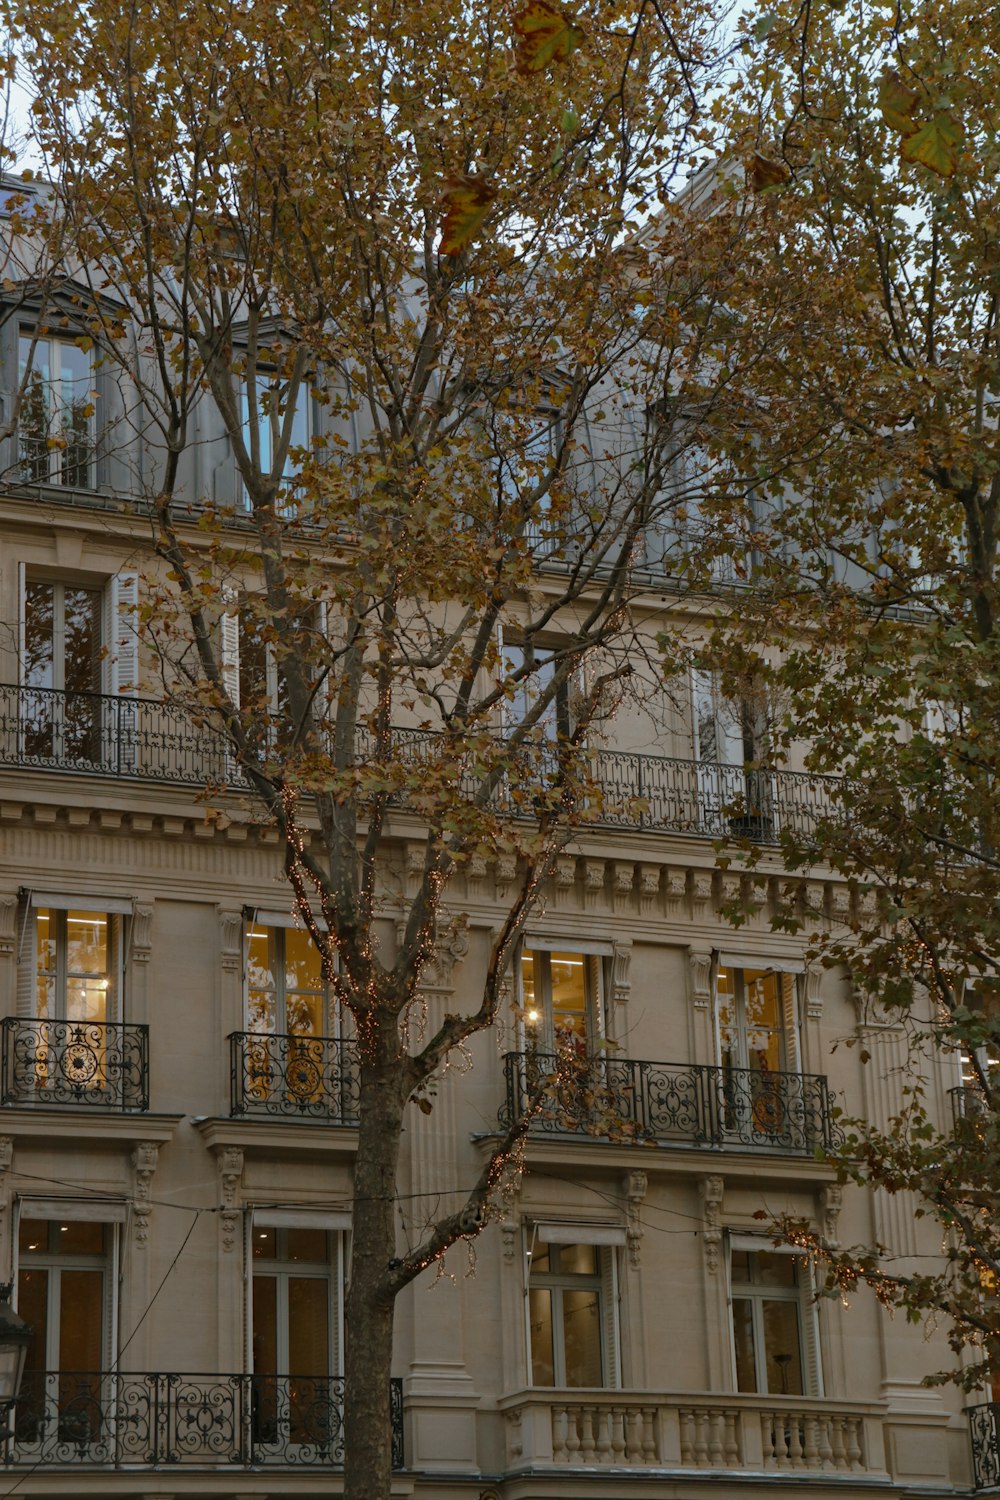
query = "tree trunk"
x=369 y=1320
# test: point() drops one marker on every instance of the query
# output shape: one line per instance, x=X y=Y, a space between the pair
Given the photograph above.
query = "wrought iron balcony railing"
x=111 y=1420
x=671 y=1104
x=86 y=1064
x=294 y=1077
x=984 y=1431
x=145 y=739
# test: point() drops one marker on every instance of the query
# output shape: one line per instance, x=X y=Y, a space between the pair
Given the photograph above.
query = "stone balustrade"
x=630 y=1429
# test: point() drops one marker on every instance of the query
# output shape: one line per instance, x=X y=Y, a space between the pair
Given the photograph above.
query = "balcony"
x=646 y=1430
x=294 y=1078
x=143 y=739
x=984 y=1431
x=98 y=1065
x=116 y=1421
x=672 y=1104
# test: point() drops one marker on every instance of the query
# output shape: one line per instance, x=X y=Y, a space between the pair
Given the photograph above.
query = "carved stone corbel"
x=506 y=874
x=621 y=961
x=475 y=876
x=564 y=880
x=416 y=854
x=593 y=883
x=676 y=885
x=141 y=942
x=230 y=1160
x=814 y=999
x=635 y=1185
x=231 y=939
x=700 y=977
x=832 y=1200
x=510 y=1224
x=649 y=888
x=623 y=880
x=6 y=1161
x=840 y=905
x=144 y=1159
x=702 y=893
x=711 y=1190
x=451 y=947
x=8 y=924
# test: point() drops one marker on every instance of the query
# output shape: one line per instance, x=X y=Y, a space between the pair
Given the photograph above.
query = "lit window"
x=570 y=1293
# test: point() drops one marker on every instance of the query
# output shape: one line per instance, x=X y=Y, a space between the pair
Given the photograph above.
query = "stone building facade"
x=177 y=1119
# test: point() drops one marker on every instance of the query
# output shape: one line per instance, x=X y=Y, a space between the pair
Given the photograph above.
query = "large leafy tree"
x=413 y=217
x=859 y=451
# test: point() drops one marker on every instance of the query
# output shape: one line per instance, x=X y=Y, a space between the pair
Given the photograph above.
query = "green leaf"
x=897 y=103
x=936 y=145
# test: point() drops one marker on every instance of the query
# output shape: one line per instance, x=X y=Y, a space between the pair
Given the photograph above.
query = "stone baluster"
x=633 y=1437
x=731 y=1446
x=715 y=1439
x=854 y=1455
x=650 y=1443
x=767 y=1428
x=588 y=1448
x=560 y=1434
x=779 y=1440
x=687 y=1435
x=825 y=1446
x=794 y=1435
x=700 y=1443
x=572 y=1433
x=603 y=1418
x=811 y=1454
x=837 y=1442
x=618 y=1419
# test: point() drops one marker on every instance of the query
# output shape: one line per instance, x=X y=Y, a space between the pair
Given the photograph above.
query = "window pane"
x=746 y=1370
x=308 y=1325
x=82 y=672
x=78 y=1238
x=39 y=634
x=781 y=1346
x=541 y=1259
x=578 y=1260
x=265 y=1244
x=76 y=410
x=543 y=1370
x=265 y=1325
x=81 y=1311
x=569 y=993
x=310 y=1245
x=33 y=417
x=33 y=1234
x=582 y=1337
x=260 y=981
x=529 y=994
x=87 y=966
x=776 y=1270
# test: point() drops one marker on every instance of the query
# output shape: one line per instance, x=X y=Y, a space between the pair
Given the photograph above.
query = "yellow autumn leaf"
x=545 y=35
x=897 y=103
x=466 y=203
x=936 y=144
x=765 y=173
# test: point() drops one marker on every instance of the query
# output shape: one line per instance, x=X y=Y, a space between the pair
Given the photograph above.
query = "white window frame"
x=802 y=1295
x=115 y=910
x=270 y=422
x=338 y=1227
x=596 y=955
x=608 y=1240
x=111 y=1212
x=55 y=406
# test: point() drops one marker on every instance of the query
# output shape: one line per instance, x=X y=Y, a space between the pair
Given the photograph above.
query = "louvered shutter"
x=123 y=645
x=610 y=1313
x=26 y=998
x=812 y=1365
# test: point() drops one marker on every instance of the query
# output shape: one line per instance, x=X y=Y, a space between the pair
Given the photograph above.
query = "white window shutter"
x=22 y=612
x=788 y=989
x=123 y=645
x=812 y=1365
x=229 y=630
x=610 y=1313
x=116 y=926
x=26 y=999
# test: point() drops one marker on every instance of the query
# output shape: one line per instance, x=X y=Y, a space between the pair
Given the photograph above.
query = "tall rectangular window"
x=63 y=1292
x=56 y=426
x=271 y=409
x=769 y=1310
x=297 y=1274
x=561 y=996
x=61 y=671
x=570 y=1314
